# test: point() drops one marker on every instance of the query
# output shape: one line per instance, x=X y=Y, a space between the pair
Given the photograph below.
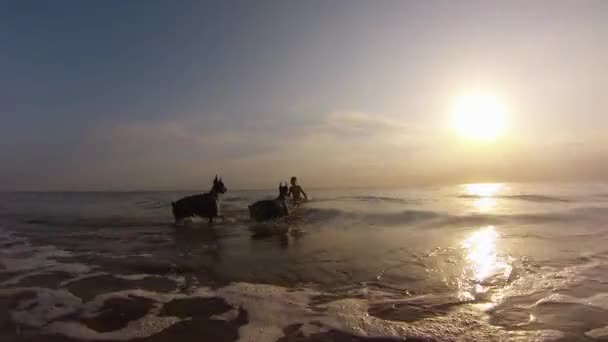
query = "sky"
x=161 y=95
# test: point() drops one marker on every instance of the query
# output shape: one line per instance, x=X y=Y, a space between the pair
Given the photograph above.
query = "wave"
x=523 y=197
x=366 y=199
x=313 y=216
x=438 y=218
x=96 y=222
x=162 y=297
x=306 y=215
x=153 y=205
x=405 y=217
x=378 y=199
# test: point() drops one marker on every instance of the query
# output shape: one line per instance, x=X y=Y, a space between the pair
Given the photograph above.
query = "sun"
x=480 y=117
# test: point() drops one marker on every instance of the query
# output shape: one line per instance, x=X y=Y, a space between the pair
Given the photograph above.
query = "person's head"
x=294 y=181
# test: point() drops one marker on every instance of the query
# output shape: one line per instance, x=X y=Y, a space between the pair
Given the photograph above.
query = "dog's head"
x=218 y=185
x=283 y=190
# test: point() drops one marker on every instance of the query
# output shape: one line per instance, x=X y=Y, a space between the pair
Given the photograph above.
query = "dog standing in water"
x=269 y=209
x=203 y=205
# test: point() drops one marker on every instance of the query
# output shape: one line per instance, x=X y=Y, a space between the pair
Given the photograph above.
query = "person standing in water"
x=295 y=191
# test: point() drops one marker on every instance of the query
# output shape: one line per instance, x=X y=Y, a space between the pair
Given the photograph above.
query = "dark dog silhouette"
x=203 y=205
x=269 y=209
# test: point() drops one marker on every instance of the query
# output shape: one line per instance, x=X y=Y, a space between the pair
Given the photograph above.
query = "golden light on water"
x=484 y=189
x=480 y=117
x=485 y=193
x=485 y=204
x=481 y=252
x=483 y=262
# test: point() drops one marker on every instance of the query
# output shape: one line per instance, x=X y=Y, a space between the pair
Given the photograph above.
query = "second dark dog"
x=269 y=209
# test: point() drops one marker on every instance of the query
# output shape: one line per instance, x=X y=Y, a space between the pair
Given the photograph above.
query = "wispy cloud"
x=365 y=123
x=336 y=148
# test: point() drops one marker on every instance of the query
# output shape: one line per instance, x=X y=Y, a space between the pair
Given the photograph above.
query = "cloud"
x=339 y=148
x=176 y=140
x=365 y=123
x=342 y=148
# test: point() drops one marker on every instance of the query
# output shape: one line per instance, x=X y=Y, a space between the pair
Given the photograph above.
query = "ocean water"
x=482 y=262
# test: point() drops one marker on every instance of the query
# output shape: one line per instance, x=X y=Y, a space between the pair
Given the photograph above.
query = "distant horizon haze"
x=160 y=95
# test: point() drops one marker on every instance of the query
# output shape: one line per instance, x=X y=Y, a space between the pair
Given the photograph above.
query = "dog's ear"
x=173 y=204
x=215 y=179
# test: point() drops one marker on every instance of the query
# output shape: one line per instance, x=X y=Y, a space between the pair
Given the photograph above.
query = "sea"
x=471 y=262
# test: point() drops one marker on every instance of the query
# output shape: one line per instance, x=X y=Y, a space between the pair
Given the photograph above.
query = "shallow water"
x=497 y=262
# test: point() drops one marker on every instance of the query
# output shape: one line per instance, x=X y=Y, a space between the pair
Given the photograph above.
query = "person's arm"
x=303 y=193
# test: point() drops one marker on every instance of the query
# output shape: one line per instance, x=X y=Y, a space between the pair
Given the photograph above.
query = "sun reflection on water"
x=484 y=189
x=484 y=193
x=481 y=252
x=485 y=204
x=484 y=266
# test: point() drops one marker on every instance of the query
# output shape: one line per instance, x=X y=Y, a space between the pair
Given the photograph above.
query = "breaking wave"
x=113 y=267
x=523 y=197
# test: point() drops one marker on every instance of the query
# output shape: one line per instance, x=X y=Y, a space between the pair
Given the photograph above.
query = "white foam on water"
x=146 y=326
x=598 y=300
x=46 y=306
x=273 y=308
x=229 y=315
x=270 y=309
x=91 y=308
x=308 y=329
x=18 y=278
x=547 y=280
x=351 y=315
x=141 y=328
x=535 y=336
x=39 y=259
x=600 y=333
x=81 y=277
x=179 y=280
x=132 y=276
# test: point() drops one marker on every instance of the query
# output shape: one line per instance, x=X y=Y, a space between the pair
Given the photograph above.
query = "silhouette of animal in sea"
x=269 y=209
x=203 y=205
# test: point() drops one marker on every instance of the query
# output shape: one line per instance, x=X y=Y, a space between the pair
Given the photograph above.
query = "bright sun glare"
x=484 y=195
x=483 y=189
x=480 y=117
